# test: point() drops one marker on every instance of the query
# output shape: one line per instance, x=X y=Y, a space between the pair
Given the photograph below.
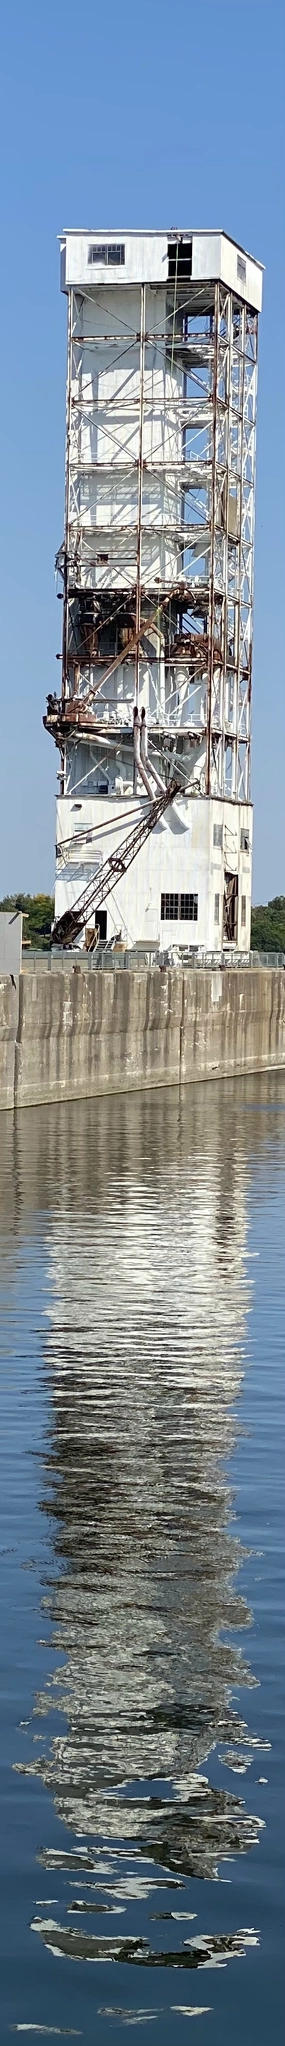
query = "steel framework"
x=157 y=562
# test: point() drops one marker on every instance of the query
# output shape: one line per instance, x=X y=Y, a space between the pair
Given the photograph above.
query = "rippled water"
x=142 y=1338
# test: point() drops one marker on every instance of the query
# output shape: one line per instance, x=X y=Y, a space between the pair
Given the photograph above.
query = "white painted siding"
x=214 y=254
x=172 y=860
x=145 y=258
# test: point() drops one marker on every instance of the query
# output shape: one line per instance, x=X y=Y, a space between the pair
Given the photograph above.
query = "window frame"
x=111 y=255
x=171 y=909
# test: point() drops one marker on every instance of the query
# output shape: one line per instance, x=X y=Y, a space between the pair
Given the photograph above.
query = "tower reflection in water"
x=143 y=1362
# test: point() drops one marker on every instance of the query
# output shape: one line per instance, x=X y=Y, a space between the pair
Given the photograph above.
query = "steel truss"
x=157 y=562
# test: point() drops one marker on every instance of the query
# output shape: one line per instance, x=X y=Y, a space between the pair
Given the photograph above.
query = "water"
x=142 y=1284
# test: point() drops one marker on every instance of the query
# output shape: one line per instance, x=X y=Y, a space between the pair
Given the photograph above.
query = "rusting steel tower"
x=156 y=572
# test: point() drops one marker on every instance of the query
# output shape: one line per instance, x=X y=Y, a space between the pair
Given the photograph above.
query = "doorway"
x=101 y=921
x=230 y=919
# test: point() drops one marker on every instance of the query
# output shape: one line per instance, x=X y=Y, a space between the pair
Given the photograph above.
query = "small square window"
x=218 y=835
x=243 y=909
x=217 y=910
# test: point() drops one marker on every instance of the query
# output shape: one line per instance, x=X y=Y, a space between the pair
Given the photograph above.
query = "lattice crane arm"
x=68 y=927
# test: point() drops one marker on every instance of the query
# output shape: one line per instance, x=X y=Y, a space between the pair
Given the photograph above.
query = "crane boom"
x=68 y=927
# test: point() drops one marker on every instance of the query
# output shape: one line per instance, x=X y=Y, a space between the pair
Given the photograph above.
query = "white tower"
x=157 y=579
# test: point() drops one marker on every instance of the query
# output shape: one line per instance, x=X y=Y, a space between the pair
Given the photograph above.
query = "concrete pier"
x=67 y=1035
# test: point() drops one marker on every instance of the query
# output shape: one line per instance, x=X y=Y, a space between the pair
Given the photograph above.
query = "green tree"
x=268 y=926
x=38 y=912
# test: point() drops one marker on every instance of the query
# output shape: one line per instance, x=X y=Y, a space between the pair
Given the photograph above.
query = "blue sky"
x=119 y=116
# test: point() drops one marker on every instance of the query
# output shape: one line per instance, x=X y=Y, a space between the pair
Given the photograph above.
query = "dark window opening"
x=241 y=269
x=179 y=259
x=244 y=841
x=179 y=908
x=231 y=908
x=106 y=252
x=243 y=909
x=217 y=910
x=218 y=835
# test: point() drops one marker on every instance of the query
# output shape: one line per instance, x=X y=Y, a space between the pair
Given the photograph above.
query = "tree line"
x=268 y=926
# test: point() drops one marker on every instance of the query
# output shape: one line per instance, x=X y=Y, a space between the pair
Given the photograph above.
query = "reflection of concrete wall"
x=98 y=1033
x=143 y=1362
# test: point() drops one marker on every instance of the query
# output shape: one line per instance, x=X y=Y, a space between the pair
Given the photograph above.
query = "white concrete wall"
x=66 y=1036
x=178 y=856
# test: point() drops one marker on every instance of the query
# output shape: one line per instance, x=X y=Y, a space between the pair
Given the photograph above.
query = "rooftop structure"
x=156 y=572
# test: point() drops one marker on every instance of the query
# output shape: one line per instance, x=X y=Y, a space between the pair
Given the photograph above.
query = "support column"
x=140 y=492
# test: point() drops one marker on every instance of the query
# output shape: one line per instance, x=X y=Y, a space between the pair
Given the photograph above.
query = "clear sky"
x=119 y=115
